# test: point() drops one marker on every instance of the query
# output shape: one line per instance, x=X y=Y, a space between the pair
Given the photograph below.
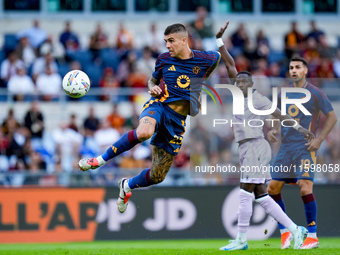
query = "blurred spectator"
x=325 y=69
x=108 y=80
x=10 y=123
x=239 y=38
x=115 y=119
x=36 y=167
x=315 y=32
x=75 y=65
x=126 y=67
x=73 y=122
x=25 y=51
x=242 y=63
x=49 y=84
x=91 y=123
x=133 y=121
x=154 y=39
x=311 y=53
x=293 y=41
x=56 y=50
x=336 y=64
x=40 y=65
x=262 y=42
x=98 y=41
x=34 y=121
x=203 y=26
x=10 y=65
x=274 y=70
x=146 y=64
x=106 y=135
x=67 y=143
x=17 y=140
x=20 y=84
x=35 y=34
x=69 y=40
x=261 y=38
x=124 y=38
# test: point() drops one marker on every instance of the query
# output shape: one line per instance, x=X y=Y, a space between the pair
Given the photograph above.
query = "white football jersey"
x=244 y=125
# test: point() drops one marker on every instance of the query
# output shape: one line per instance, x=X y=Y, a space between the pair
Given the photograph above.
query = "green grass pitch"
x=177 y=247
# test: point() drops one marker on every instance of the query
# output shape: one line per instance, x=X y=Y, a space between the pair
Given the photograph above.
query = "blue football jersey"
x=181 y=79
x=291 y=138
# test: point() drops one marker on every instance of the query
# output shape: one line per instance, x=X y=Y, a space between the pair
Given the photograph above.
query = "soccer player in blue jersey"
x=175 y=88
x=294 y=151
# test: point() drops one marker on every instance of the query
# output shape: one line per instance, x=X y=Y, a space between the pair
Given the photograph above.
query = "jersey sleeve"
x=214 y=63
x=322 y=101
x=158 y=72
x=264 y=103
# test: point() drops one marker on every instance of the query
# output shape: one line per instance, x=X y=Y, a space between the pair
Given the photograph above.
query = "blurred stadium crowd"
x=33 y=64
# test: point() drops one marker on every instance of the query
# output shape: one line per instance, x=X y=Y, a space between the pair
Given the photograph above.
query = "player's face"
x=297 y=71
x=243 y=82
x=174 y=43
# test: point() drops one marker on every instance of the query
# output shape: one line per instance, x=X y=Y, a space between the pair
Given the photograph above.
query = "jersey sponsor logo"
x=172 y=68
x=293 y=111
x=196 y=70
x=183 y=81
x=152 y=112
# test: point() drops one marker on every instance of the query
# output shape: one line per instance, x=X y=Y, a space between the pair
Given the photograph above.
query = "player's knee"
x=272 y=190
x=305 y=188
x=144 y=133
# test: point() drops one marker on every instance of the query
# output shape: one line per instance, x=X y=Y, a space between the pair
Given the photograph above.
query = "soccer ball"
x=76 y=83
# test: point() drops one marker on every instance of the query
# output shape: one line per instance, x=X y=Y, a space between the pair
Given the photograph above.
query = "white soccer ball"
x=76 y=83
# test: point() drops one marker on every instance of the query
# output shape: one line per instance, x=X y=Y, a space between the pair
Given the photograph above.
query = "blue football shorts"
x=293 y=165
x=170 y=126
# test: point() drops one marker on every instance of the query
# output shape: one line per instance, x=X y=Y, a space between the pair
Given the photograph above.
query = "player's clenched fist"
x=155 y=91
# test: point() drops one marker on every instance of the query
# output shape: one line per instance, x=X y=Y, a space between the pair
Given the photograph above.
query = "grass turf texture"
x=178 y=247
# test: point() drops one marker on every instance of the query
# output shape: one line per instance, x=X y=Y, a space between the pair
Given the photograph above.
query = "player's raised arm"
x=226 y=57
x=328 y=126
x=154 y=89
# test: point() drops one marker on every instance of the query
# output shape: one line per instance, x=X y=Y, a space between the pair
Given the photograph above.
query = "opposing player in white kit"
x=254 y=151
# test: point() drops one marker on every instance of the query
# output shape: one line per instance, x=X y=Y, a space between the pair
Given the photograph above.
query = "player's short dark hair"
x=299 y=59
x=245 y=72
x=175 y=28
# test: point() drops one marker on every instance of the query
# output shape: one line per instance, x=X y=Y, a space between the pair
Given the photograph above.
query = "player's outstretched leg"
x=161 y=162
x=294 y=232
x=126 y=142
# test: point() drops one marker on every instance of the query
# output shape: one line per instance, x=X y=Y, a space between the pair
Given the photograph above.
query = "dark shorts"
x=294 y=165
x=170 y=126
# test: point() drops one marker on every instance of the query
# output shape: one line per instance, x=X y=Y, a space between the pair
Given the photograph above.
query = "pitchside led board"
x=87 y=214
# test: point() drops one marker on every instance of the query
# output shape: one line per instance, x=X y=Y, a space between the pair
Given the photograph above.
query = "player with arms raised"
x=254 y=150
x=175 y=88
x=295 y=152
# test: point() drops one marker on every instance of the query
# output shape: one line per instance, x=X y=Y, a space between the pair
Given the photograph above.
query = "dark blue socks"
x=141 y=180
x=278 y=199
x=310 y=211
x=125 y=143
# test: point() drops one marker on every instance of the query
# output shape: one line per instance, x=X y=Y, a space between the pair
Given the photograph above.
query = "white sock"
x=126 y=186
x=312 y=235
x=283 y=230
x=101 y=161
x=292 y=227
x=241 y=237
